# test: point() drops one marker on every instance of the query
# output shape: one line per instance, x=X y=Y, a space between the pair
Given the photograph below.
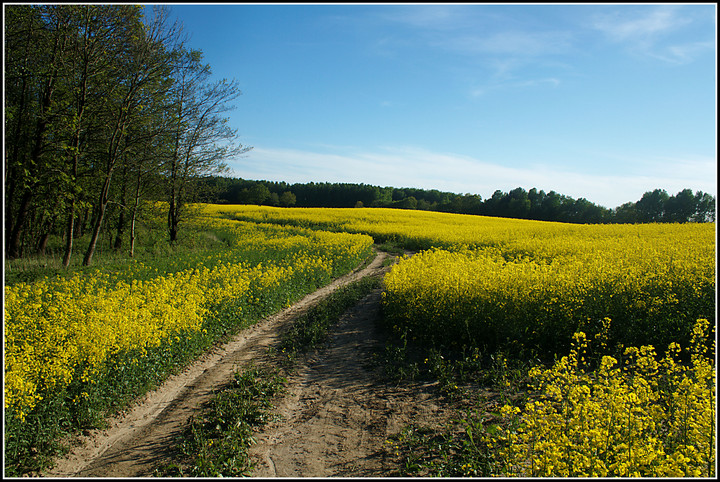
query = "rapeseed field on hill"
x=605 y=308
x=490 y=281
x=629 y=403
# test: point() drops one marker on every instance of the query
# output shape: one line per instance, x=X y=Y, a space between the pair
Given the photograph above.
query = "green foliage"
x=217 y=439
x=459 y=449
x=517 y=203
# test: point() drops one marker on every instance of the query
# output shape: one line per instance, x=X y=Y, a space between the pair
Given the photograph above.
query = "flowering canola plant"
x=544 y=288
x=63 y=331
x=637 y=417
x=478 y=297
x=489 y=281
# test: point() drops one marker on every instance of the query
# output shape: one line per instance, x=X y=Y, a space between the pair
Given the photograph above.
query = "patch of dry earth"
x=339 y=411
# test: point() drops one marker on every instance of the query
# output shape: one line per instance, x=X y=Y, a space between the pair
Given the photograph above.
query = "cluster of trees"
x=104 y=107
x=658 y=206
x=655 y=206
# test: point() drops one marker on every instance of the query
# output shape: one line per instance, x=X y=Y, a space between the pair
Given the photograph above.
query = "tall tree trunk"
x=120 y=230
x=112 y=159
x=42 y=243
x=134 y=214
x=13 y=249
x=101 y=208
x=93 y=242
x=70 y=230
x=173 y=219
x=132 y=232
x=82 y=99
x=69 y=233
x=117 y=245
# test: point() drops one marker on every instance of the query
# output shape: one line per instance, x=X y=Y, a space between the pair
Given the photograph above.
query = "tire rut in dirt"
x=340 y=411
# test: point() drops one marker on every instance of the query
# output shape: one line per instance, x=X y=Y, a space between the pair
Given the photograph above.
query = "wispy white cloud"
x=684 y=169
x=516 y=44
x=493 y=86
x=471 y=32
x=420 y=168
x=651 y=32
x=642 y=24
x=496 y=48
x=681 y=53
x=432 y=17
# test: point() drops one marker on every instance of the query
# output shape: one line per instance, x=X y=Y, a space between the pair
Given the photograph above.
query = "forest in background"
x=105 y=108
x=654 y=206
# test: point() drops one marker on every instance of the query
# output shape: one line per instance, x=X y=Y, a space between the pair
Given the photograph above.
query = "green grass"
x=474 y=385
x=310 y=331
x=217 y=439
x=457 y=449
x=152 y=247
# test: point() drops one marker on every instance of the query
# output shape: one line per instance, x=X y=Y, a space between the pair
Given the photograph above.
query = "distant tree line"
x=104 y=108
x=654 y=206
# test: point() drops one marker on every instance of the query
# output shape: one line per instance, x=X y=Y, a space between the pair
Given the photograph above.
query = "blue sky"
x=603 y=102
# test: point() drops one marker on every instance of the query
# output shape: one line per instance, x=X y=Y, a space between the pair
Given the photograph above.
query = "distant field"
x=490 y=280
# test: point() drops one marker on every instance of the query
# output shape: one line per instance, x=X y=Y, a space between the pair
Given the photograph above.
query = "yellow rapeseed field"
x=484 y=280
x=63 y=330
x=616 y=407
x=584 y=295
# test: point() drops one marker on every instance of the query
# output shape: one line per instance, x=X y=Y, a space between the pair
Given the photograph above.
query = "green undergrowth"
x=218 y=437
x=458 y=449
x=474 y=384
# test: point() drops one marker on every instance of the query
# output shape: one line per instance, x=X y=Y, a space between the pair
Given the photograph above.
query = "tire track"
x=339 y=411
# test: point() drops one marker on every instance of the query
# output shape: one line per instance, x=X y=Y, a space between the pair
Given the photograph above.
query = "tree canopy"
x=104 y=107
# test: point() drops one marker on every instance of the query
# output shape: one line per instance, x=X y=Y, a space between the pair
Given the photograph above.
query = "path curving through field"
x=335 y=417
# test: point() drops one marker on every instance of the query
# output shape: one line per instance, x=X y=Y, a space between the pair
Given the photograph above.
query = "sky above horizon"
x=602 y=102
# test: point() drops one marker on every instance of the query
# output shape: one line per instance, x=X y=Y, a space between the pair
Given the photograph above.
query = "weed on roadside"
x=458 y=449
x=477 y=385
x=216 y=441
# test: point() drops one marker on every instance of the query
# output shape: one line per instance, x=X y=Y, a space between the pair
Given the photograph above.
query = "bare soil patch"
x=340 y=412
x=335 y=418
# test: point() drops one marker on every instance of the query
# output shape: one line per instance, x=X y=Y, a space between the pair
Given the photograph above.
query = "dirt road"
x=335 y=417
x=339 y=412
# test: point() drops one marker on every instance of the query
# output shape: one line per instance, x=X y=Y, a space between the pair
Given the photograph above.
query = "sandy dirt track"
x=339 y=411
x=335 y=417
